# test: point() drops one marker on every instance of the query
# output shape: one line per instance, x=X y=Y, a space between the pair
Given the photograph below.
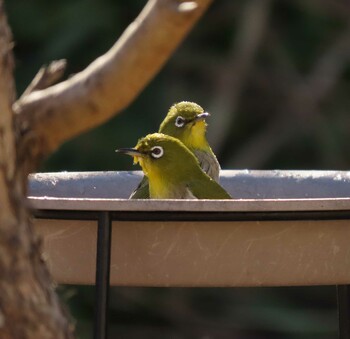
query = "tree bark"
x=29 y=307
x=42 y=119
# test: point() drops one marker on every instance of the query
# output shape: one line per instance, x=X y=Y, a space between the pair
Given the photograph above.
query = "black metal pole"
x=343 y=298
x=103 y=258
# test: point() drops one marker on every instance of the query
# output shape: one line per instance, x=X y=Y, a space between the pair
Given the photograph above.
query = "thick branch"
x=111 y=82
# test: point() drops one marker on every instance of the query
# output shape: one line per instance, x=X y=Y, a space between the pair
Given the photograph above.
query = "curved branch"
x=111 y=82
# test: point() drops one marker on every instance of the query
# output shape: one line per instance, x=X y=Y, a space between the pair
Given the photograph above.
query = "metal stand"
x=343 y=298
x=102 y=274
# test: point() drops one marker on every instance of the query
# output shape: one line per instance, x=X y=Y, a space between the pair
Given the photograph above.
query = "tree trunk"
x=39 y=122
x=29 y=307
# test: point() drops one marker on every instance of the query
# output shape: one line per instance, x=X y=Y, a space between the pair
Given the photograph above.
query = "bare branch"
x=301 y=106
x=112 y=81
x=235 y=71
x=47 y=76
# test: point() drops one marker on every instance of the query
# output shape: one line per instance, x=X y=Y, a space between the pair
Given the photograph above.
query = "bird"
x=186 y=121
x=172 y=169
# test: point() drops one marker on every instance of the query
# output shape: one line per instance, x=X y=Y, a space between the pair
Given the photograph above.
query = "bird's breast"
x=159 y=190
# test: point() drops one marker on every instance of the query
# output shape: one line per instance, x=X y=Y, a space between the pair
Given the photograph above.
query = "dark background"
x=275 y=77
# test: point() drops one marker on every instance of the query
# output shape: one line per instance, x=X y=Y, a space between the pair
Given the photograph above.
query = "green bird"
x=172 y=169
x=186 y=122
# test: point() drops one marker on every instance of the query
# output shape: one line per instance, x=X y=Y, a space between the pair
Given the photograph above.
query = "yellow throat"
x=158 y=187
x=196 y=138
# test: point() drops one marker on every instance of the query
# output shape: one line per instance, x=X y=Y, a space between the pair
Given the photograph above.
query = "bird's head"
x=186 y=122
x=161 y=155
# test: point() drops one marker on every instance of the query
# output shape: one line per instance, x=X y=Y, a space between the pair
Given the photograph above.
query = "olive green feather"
x=173 y=171
x=192 y=135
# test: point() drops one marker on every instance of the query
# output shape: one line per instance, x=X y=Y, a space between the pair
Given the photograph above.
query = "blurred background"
x=275 y=75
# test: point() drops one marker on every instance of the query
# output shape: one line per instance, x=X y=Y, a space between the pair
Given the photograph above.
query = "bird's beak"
x=132 y=152
x=202 y=116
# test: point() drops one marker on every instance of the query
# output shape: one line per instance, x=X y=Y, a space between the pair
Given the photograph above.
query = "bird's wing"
x=208 y=162
x=207 y=189
x=142 y=190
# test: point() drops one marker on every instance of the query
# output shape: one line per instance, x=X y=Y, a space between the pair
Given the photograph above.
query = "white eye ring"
x=180 y=121
x=157 y=152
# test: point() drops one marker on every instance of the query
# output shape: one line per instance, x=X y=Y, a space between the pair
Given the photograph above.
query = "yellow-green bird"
x=186 y=122
x=172 y=169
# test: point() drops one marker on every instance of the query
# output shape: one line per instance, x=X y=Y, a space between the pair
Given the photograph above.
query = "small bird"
x=186 y=122
x=172 y=169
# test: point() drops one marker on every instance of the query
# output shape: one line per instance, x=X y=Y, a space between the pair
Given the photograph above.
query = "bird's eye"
x=157 y=152
x=180 y=121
